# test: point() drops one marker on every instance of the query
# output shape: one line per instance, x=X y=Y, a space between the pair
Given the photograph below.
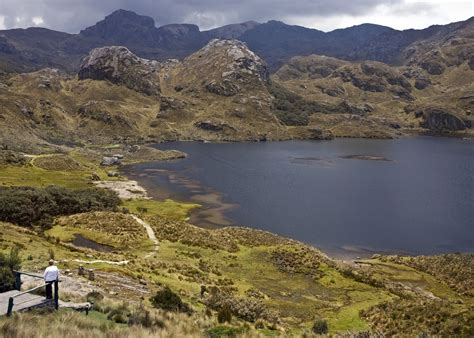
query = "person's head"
x=51 y=262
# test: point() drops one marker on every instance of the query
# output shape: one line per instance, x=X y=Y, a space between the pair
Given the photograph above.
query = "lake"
x=346 y=196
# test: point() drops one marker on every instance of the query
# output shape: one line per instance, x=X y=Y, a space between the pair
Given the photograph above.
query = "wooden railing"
x=11 y=300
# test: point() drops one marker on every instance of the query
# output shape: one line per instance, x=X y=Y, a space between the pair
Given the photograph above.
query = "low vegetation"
x=292 y=109
x=456 y=270
x=225 y=282
x=27 y=206
x=9 y=262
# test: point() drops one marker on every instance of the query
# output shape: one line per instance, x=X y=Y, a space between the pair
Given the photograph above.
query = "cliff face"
x=425 y=95
x=120 y=66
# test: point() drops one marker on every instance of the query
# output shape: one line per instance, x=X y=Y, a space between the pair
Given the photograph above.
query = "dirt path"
x=151 y=235
x=99 y=261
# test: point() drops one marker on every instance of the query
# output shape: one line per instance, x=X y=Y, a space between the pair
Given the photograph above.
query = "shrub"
x=143 y=317
x=119 y=314
x=224 y=314
x=225 y=331
x=167 y=300
x=8 y=263
x=320 y=326
x=28 y=206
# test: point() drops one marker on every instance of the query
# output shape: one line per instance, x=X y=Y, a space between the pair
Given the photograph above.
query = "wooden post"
x=17 y=280
x=10 y=307
x=56 y=294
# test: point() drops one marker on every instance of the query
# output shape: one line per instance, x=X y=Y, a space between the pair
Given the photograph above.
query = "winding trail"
x=151 y=235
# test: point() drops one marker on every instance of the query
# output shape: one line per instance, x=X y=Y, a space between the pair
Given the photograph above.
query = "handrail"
x=30 y=290
x=29 y=274
x=18 y=285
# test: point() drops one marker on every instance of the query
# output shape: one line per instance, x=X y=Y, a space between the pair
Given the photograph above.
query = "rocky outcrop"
x=215 y=126
x=350 y=108
x=319 y=134
x=120 y=66
x=441 y=120
x=422 y=83
x=227 y=67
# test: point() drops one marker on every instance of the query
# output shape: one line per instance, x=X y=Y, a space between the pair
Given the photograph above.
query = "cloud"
x=74 y=15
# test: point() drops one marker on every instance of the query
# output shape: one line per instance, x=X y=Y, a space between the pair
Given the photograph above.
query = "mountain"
x=218 y=93
x=276 y=42
x=233 y=31
x=106 y=85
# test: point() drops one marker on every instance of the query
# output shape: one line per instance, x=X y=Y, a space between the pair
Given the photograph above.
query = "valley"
x=255 y=179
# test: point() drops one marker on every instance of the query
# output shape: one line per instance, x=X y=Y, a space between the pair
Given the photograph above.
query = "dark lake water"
x=413 y=195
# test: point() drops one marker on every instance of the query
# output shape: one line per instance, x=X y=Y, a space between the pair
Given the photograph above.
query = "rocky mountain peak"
x=119 y=65
x=122 y=26
x=179 y=30
x=233 y=31
x=239 y=58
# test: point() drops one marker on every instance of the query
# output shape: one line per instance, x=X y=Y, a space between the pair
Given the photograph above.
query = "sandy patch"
x=125 y=189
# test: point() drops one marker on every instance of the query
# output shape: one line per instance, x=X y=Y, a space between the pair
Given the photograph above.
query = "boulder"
x=422 y=83
x=441 y=120
x=110 y=161
x=222 y=88
x=120 y=66
x=350 y=108
x=471 y=63
x=320 y=134
x=214 y=126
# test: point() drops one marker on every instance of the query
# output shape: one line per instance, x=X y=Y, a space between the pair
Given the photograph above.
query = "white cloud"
x=37 y=20
x=2 y=22
x=416 y=14
x=74 y=15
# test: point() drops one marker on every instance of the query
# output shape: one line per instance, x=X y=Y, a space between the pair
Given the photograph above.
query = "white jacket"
x=51 y=273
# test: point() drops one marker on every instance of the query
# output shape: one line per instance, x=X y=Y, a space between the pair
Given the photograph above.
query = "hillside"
x=200 y=282
x=218 y=93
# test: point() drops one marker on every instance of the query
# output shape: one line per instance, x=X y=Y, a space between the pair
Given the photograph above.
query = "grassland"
x=274 y=285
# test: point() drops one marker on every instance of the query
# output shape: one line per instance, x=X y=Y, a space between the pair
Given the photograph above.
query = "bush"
x=320 y=326
x=168 y=300
x=224 y=314
x=143 y=317
x=28 y=206
x=225 y=331
x=292 y=109
x=8 y=263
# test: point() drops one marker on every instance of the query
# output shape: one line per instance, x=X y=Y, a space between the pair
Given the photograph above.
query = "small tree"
x=224 y=314
x=320 y=326
x=8 y=263
x=168 y=300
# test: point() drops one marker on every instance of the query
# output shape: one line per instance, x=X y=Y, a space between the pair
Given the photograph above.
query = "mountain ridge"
x=274 y=41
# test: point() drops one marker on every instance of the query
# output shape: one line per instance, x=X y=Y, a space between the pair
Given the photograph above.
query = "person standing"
x=51 y=274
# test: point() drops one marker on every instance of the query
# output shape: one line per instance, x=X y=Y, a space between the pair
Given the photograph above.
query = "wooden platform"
x=22 y=303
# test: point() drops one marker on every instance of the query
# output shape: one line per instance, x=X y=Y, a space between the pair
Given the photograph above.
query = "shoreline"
x=211 y=215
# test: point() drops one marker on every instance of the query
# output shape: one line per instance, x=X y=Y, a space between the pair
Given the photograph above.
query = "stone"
x=113 y=174
x=90 y=275
x=110 y=161
x=440 y=120
x=422 y=83
x=320 y=134
x=94 y=177
x=213 y=125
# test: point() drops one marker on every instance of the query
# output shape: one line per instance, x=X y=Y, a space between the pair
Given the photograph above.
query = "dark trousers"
x=49 y=290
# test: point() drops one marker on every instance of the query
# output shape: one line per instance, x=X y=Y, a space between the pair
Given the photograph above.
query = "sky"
x=73 y=15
